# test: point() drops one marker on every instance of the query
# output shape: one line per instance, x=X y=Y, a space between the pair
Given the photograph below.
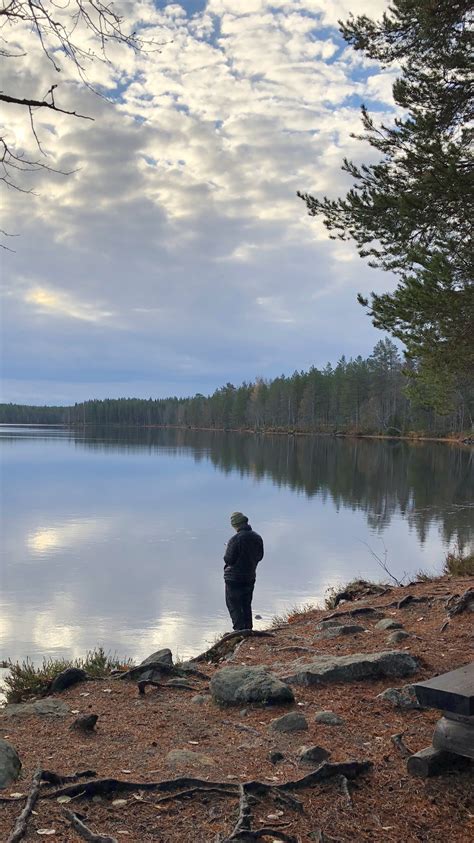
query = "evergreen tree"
x=411 y=213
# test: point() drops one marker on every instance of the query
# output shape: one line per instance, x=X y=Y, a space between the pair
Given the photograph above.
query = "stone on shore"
x=201 y=699
x=46 y=707
x=397 y=636
x=152 y=668
x=164 y=657
x=294 y=721
x=329 y=718
x=183 y=758
x=345 y=629
x=10 y=764
x=352 y=668
x=404 y=697
x=67 y=678
x=388 y=623
x=312 y=755
x=240 y=685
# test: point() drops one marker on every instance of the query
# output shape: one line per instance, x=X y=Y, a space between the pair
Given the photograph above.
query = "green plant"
x=459 y=564
x=26 y=680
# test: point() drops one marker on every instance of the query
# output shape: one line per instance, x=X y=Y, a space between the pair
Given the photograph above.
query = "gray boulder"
x=312 y=755
x=200 y=699
x=397 y=636
x=164 y=656
x=294 y=721
x=46 y=707
x=404 y=697
x=152 y=668
x=353 y=668
x=240 y=685
x=388 y=623
x=10 y=764
x=329 y=718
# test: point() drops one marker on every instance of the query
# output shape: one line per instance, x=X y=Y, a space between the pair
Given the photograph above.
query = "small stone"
x=347 y=629
x=243 y=712
x=119 y=803
x=10 y=764
x=258 y=617
x=189 y=758
x=45 y=707
x=388 y=623
x=312 y=754
x=397 y=636
x=404 y=697
x=275 y=756
x=294 y=721
x=85 y=723
x=329 y=718
x=200 y=699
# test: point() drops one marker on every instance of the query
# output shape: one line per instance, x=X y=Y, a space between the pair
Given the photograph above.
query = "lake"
x=116 y=537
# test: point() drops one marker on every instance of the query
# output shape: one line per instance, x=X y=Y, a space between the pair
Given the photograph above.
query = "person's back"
x=243 y=553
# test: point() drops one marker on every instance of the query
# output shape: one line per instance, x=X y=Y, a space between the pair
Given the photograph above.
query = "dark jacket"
x=244 y=552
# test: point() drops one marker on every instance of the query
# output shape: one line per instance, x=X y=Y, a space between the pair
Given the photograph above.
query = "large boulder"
x=238 y=685
x=46 y=707
x=152 y=668
x=352 y=668
x=163 y=656
x=10 y=764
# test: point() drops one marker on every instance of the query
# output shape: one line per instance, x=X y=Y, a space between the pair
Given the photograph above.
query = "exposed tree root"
x=228 y=643
x=144 y=683
x=53 y=778
x=345 y=789
x=401 y=745
x=243 y=828
x=457 y=604
x=84 y=831
x=20 y=826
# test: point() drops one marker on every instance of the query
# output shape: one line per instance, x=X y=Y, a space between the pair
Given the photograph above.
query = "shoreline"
x=177 y=729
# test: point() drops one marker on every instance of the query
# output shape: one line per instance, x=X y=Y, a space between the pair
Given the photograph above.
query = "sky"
x=175 y=256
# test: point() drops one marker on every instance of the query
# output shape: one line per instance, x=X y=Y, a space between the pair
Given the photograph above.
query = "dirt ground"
x=135 y=733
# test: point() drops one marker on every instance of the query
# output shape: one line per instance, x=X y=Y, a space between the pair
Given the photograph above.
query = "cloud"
x=179 y=226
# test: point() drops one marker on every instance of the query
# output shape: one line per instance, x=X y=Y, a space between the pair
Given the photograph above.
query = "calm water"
x=117 y=537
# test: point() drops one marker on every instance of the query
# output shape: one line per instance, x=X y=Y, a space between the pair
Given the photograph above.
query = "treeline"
x=356 y=396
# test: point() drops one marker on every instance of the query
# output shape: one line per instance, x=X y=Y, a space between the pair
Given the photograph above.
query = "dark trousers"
x=238 y=598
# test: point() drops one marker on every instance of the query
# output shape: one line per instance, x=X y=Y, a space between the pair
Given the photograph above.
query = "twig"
x=22 y=821
x=383 y=562
x=401 y=745
x=445 y=624
x=345 y=789
x=84 y=831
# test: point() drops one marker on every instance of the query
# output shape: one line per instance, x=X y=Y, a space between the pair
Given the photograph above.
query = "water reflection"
x=119 y=538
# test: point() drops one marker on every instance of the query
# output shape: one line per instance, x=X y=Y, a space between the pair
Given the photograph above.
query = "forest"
x=356 y=396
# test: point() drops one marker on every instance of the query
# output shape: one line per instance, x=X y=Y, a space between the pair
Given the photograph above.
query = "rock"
x=347 y=629
x=10 y=764
x=312 y=754
x=258 y=617
x=275 y=756
x=85 y=723
x=45 y=707
x=329 y=718
x=180 y=683
x=68 y=677
x=397 y=636
x=329 y=623
x=353 y=668
x=404 y=697
x=294 y=721
x=164 y=656
x=189 y=758
x=200 y=699
x=240 y=685
x=388 y=623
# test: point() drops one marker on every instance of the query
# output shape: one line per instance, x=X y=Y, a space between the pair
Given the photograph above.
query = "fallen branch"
x=104 y=787
x=53 y=778
x=401 y=745
x=84 y=831
x=20 y=826
x=228 y=642
x=345 y=789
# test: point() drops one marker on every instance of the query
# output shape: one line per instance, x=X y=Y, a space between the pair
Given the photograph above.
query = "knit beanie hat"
x=238 y=519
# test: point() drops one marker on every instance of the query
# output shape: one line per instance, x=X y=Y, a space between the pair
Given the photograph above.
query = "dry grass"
x=458 y=563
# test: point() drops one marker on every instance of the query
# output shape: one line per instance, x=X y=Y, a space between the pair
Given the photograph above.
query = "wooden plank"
x=453 y=691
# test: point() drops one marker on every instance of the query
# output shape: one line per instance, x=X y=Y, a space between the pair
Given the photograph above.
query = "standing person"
x=244 y=552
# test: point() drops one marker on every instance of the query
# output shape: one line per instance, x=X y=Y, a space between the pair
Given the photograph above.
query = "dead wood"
x=145 y=682
x=104 y=787
x=20 y=826
x=84 y=831
x=457 y=604
x=401 y=745
x=53 y=778
x=228 y=642
x=345 y=789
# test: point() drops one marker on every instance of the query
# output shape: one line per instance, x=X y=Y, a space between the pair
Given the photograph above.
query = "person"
x=243 y=553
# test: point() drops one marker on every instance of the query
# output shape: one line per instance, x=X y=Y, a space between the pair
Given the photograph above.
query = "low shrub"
x=26 y=680
x=458 y=563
